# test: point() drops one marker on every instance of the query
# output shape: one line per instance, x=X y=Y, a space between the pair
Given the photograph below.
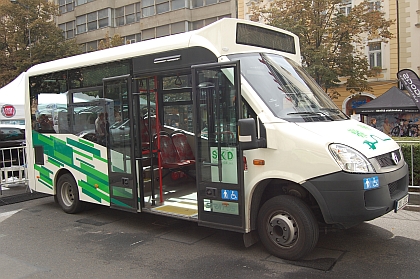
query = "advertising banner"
x=411 y=83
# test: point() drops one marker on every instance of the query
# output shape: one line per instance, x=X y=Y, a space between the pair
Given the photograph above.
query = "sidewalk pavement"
x=8 y=190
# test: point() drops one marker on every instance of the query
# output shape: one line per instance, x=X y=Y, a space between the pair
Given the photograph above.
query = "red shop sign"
x=8 y=111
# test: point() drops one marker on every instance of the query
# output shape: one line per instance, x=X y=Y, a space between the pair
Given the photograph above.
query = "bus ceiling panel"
x=172 y=60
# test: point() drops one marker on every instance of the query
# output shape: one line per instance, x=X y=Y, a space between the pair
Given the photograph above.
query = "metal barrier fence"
x=413 y=190
x=13 y=168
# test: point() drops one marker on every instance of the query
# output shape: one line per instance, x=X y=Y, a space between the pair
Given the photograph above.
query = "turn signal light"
x=258 y=162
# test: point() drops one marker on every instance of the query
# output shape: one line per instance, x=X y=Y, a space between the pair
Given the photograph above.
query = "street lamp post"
x=27 y=26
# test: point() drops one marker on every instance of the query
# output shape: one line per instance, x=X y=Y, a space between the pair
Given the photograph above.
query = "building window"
x=92 y=21
x=133 y=39
x=81 y=24
x=162 y=6
x=211 y=20
x=68 y=29
x=178 y=27
x=119 y=16
x=162 y=31
x=178 y=4
x=374 y=5
x=128 y=14
x=375 y=54
x=103 y=18
x=92 y=46
x=201 y=23
x=197 y=3
x=81 y=2
x=148 y=8
x=345 y=7
x=65 y=6
x=197 y=24
x=148 y=34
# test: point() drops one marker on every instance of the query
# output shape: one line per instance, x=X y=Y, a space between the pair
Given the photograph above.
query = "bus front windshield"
x=289 y=92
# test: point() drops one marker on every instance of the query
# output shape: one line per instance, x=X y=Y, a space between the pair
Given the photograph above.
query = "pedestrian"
x=100 y=127
x=386 y=128
x=373 y=122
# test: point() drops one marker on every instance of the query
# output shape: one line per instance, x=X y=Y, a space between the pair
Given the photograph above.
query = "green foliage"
x=29 y=36
x=109 y=42
x=406 y=150
x=332 y=42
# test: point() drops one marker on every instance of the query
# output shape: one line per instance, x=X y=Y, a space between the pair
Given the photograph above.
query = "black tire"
x=68 y=194
x=287 y=227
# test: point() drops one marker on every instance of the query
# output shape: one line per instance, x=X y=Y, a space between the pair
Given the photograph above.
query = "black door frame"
x=211 y=195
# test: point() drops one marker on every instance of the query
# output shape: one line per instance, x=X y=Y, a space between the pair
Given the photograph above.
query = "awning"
x=392 y=101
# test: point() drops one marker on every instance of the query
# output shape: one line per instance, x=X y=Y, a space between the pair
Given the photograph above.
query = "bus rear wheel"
x=287 y=227
x=68 y=194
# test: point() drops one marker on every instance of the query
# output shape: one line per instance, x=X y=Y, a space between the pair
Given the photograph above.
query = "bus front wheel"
x=287 y=227
x=68 y=194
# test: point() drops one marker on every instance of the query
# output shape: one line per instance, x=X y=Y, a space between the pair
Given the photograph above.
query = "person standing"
x=100 y=127
x=373 y=122
x=107 y=125
x=386 y=128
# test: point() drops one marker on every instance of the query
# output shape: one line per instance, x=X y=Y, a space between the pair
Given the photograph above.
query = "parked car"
x=12 y=135
x=118 y=132
x=12 y=141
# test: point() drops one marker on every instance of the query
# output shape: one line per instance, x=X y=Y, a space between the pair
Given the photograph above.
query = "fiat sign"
x=8 y=111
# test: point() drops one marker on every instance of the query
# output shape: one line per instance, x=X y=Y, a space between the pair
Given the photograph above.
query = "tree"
x=109 y=42
x=331 y=41
x=28 y=36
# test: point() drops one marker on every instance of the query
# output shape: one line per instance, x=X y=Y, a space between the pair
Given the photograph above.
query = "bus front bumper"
x=348 y=199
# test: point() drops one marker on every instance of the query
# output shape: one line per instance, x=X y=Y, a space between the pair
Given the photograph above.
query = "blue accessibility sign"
x=231 y=195
x=371 y=183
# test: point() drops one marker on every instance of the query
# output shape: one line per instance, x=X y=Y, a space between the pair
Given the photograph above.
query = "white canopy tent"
x=12 y=101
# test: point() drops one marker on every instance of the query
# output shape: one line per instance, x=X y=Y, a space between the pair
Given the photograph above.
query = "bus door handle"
x=208 y=164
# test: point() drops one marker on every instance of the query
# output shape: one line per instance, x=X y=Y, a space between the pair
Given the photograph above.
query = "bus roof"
x=219 y=37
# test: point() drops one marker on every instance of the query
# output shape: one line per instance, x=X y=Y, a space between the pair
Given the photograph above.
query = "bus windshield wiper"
x=334 y=111
x=317 y=113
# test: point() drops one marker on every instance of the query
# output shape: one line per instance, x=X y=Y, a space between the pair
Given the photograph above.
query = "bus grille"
x=393 y=187
x=386 y=160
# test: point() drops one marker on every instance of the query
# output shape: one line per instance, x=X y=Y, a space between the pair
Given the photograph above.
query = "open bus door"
x=121 y=159
x=219 y=163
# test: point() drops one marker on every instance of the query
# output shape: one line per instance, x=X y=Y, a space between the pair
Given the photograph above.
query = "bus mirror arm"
x=248 y=135
x=262 y=143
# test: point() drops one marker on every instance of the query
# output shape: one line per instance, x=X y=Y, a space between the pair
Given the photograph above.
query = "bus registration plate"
x=401 y=203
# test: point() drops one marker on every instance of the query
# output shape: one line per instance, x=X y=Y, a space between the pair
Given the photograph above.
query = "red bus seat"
x=182 y=146
x=170 y=159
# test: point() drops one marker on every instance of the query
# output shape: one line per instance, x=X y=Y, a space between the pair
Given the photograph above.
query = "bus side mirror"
x=248 y=134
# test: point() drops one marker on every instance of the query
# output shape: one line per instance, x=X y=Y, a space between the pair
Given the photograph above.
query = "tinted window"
x=10 y=134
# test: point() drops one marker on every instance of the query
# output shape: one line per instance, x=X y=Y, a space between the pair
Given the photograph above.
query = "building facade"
x=90 y=21
x=401 y=52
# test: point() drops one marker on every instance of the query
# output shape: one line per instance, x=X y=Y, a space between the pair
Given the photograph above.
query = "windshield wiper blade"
x=317 y=113
x=335 y=111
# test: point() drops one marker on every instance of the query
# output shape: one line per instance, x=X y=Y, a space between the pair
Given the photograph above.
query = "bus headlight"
x=350 y=160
